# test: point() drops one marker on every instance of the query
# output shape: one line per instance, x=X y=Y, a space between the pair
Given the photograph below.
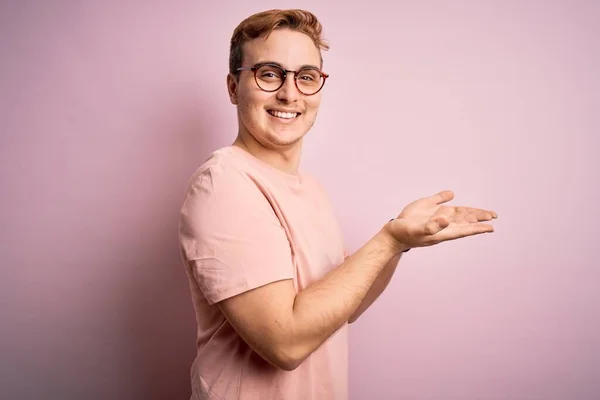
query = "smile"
x=283 y=115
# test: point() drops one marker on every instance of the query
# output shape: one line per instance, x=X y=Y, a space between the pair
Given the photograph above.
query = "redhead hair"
x=263 y=23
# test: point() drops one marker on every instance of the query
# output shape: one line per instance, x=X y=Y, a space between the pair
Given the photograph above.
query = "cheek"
x=249 y=111
x=314 y=102
x=251 y=105
x=313 y=107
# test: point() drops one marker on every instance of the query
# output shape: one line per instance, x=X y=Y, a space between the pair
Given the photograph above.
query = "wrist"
x=391 y=242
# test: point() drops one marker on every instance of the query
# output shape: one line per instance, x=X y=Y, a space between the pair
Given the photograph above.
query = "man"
x=272 y=287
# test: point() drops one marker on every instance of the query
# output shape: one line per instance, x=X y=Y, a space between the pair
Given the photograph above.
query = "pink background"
x=108 y=107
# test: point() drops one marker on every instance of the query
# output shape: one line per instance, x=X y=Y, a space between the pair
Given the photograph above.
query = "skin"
x=284 y=327
x=276 y=141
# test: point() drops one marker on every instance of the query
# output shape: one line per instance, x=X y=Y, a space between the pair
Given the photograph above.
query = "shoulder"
x=226 y=210
x=224 y=191
x=222 y=175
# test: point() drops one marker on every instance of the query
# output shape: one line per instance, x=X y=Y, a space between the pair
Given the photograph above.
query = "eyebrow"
x=281 y=66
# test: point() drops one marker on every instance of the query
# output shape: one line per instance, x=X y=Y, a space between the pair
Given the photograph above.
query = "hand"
x=427 y=221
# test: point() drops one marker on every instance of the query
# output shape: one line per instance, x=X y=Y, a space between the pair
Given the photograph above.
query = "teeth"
x=285 y=115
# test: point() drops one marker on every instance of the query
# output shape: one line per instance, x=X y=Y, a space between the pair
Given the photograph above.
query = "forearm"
x=326 y=305
x=377 y=288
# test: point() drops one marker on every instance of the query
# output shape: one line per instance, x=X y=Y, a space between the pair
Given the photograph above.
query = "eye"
x=309 y=76
x=268 y=72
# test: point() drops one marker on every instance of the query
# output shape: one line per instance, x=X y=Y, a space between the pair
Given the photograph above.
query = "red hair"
x=263 y=23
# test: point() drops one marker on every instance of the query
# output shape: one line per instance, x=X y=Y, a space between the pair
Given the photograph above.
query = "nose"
x=288 y=92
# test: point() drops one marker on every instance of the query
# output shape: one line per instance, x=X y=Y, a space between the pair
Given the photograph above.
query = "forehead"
x=291 y=49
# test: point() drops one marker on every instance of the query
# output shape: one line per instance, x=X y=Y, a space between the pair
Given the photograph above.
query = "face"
x=259 y=112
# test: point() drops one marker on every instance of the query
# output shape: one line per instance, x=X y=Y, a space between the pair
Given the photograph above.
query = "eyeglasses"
x=271 y=77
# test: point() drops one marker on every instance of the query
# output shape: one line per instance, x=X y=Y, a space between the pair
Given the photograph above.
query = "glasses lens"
x=269 y=77
x=309 y=81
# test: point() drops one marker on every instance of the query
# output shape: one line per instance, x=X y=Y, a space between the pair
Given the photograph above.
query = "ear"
x=232 y=88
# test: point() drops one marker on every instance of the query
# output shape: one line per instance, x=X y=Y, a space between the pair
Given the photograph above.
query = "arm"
x=285 y=328
x=472 y=216
x=377 y=288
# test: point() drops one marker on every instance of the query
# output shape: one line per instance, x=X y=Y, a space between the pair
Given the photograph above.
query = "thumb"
x=435 y=225
x=442 y=197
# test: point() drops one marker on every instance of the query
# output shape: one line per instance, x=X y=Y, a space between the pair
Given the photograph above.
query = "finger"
x=468 y=218
x=482 y=215
x=463 y=219
x=435 y=225
x=461 y=210
x=458 y=219
x=492 y=214
x=460 y=231
x=442 y=197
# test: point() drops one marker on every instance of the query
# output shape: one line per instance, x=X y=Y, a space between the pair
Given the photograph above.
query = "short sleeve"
x=230 y=235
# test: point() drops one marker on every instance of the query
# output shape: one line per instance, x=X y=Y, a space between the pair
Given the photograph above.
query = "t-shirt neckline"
x=291 y=178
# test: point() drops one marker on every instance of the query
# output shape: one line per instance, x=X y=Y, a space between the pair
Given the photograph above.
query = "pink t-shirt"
x=245 y=224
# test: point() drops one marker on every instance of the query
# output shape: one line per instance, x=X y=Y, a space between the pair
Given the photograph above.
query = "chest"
x=314 y=235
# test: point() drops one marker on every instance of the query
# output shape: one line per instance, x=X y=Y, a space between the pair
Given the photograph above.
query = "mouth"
x=284 y=115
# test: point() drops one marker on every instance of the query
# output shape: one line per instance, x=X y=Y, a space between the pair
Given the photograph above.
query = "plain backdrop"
x=106 y=109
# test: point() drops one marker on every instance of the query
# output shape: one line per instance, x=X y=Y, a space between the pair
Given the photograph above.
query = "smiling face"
x=280 y=119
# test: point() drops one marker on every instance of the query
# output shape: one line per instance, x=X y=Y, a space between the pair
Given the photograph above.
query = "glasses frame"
x=285 y=72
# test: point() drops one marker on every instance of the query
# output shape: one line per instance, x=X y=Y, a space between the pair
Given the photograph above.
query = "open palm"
x=429 y=221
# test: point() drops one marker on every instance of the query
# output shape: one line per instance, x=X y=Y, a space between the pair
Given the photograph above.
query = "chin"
x=283 y=140
x=285 y=136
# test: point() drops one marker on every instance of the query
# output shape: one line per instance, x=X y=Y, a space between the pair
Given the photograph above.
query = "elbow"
x=286 y=355
x=288 y=365
x=354 y=317
x=288 y=358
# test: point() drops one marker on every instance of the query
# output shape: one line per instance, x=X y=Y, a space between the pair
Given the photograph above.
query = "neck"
x=285 y=158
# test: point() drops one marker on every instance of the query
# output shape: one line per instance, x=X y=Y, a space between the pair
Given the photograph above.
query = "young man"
x=271 y=284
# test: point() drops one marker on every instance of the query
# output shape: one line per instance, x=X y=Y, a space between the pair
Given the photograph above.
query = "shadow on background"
x=158 y=316
x=103 y=124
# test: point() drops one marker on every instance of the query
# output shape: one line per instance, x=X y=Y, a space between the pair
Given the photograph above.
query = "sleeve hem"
x=234 y=291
